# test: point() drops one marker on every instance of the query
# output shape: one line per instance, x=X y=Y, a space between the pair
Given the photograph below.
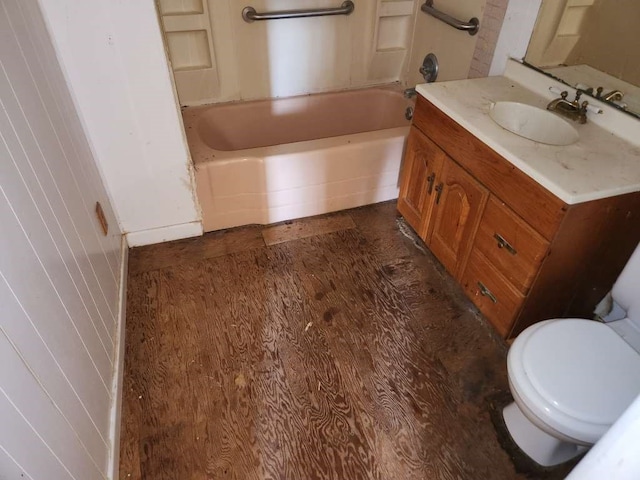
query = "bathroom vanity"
x=531 y=231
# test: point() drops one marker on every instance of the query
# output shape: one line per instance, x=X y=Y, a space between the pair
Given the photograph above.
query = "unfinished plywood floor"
x=327 y=348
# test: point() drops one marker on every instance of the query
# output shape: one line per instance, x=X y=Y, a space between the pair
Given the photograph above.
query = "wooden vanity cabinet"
x=520 y=253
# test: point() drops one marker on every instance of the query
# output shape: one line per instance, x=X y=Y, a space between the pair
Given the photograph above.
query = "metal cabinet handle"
x=439 y=189
x=502 y=243
x=430 y=179
x=485 y=292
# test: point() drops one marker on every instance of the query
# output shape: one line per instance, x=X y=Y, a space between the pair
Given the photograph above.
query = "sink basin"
x=533 y=123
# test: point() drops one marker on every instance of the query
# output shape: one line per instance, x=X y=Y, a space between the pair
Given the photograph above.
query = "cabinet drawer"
x=496 y=298
x=510 y=245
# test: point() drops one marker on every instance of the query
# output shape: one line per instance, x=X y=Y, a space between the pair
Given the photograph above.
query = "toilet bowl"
x=572 y=378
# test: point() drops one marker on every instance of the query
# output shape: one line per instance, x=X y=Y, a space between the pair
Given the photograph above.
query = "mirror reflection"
x=592 y=45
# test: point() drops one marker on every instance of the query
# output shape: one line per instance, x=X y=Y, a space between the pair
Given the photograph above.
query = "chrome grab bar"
x=249 y=14
x=472 y=26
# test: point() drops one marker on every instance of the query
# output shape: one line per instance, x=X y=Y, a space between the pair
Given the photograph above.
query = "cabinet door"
x=422 y=162
x=459 y=201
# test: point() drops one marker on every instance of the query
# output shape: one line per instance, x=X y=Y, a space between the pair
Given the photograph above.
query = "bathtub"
x=273 y=160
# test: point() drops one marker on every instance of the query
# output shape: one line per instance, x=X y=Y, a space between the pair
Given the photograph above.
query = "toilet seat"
x=575 y=376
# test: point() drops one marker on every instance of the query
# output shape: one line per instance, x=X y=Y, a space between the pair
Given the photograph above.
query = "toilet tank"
x=626 y=290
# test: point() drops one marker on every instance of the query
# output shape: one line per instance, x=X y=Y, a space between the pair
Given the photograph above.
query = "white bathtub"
x=272 y=160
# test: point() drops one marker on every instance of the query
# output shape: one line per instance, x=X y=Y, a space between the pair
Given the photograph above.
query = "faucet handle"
x=582 y=112
x=564 y=94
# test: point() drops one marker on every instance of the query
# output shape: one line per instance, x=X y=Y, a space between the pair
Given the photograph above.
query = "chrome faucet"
x=572 y=110
x=614 y=95
x=410 y=92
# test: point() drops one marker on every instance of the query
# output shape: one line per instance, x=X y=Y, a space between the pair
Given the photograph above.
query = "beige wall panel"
x=453 y=48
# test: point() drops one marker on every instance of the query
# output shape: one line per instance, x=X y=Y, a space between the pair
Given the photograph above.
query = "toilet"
x=572 y=378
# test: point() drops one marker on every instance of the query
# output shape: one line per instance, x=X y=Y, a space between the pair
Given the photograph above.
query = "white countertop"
x=600 y=164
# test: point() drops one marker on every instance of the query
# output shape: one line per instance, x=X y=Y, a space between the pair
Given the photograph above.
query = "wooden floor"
x=327 y=348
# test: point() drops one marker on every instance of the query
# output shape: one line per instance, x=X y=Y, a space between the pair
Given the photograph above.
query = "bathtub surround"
x=62 y=281
x=218 y=57
x=122 y=88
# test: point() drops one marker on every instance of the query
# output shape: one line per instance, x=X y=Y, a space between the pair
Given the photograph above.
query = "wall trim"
x=516 y=31
x=164 y=234
x=118 y=369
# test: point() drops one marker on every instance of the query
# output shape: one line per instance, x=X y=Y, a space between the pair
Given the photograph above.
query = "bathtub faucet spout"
x=410 y=93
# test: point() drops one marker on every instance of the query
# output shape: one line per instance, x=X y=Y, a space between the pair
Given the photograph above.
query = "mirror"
x=591 y=45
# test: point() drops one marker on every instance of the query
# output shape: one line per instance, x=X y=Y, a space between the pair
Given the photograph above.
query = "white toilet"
x=572 y=378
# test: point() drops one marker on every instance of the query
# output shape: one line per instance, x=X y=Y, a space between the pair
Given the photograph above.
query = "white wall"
x=514 y=37
x=114 y=61
x=280 y=58
x=59 y=276
x=615 y=456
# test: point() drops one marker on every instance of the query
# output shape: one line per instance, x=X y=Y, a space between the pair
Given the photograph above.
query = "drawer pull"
x=485 y=292
x=502 y=243
x=430 y=179
x=439 y=189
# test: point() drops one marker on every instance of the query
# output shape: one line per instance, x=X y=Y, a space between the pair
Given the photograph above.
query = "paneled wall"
x=59 y=275
x=218 y=57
